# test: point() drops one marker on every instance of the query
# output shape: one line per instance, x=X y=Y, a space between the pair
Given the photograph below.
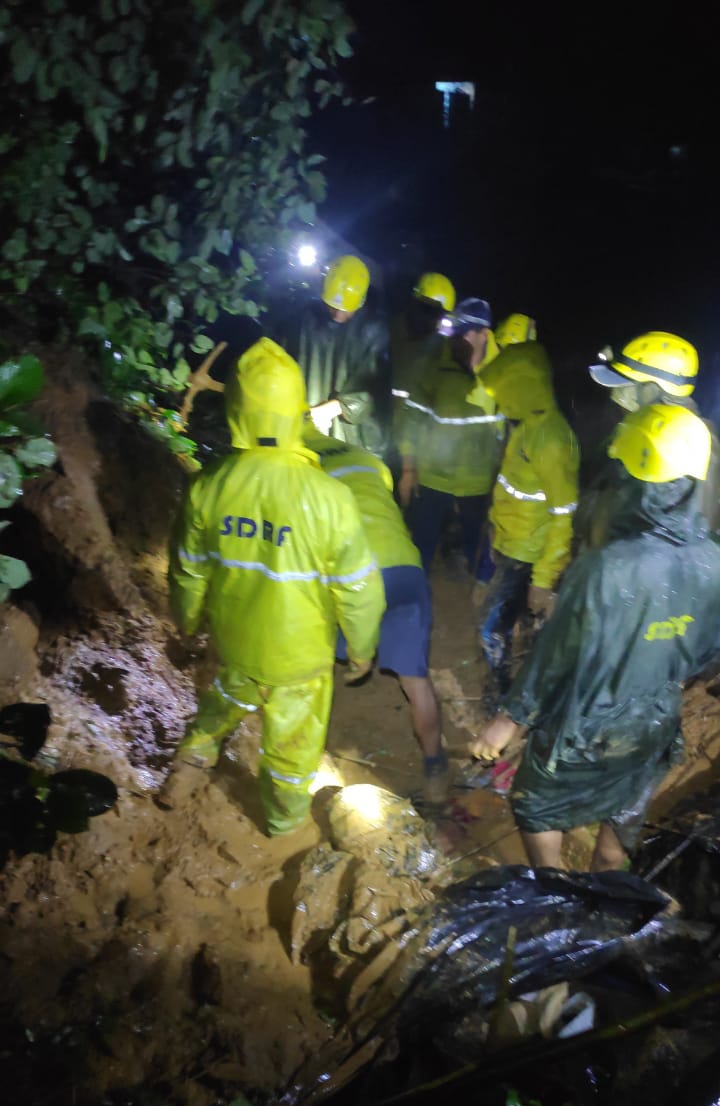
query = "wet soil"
x=148 y=959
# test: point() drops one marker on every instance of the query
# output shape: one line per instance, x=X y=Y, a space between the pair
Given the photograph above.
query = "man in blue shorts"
x=407 y=622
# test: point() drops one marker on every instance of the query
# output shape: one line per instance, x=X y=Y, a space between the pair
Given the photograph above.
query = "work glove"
x=541 y=602
x=407 y=486
x=356 y=671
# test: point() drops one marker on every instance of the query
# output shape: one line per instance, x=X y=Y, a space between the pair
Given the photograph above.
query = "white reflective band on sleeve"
x=296 y=781
x=284 y=577
x=237 y=702
x=352 y=468
x=536 y=497
x=399 y=394
x=568 y=509
x=469 y=421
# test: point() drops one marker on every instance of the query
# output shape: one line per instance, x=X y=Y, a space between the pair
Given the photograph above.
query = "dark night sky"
x=561 y=194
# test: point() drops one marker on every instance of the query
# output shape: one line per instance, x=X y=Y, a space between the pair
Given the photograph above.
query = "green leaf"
x=181 y=372
x=306 y=212
x=10 y=480
x=37 y=453
x=173 y=307
x=24 y=60
x=20 y=381
x=202 y=344
x=251 y=10
x=247 y=261
x=90 y=327
x=14 y=573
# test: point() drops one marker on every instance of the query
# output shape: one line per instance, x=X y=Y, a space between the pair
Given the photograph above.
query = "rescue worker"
x=533 y=502
x=656 y=367
x=602 y=688
x=341 y=344
x=415 y=345
x=449 y=449
x=514 y=329
x=273 y=552
x=405 y=629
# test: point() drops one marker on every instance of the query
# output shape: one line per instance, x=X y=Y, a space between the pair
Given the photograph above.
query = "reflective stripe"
x=400 y=394
x=470 y=420
x=536 y=497
x=193 y=558
x=352 y=468
x=237 y=702
x=568 y=509
x=258 y=566
x=296 y=781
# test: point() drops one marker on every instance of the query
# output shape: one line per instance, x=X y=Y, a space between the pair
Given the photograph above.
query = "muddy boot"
x=200 y=751
x=436 y=779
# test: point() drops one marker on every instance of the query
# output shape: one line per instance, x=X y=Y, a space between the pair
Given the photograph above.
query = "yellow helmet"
x=516 y=328
x=662 y=442
x=346 y=283
x=435 y=286
x=265 y=398
x=657 y=357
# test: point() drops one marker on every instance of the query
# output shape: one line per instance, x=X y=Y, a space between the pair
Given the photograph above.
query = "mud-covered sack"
x=382 y=828
x=381 y=863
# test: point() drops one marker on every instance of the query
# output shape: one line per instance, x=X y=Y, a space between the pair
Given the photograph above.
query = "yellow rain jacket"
x=536 y=492
x=456 y=444
x=371 y=483
x=271 y=548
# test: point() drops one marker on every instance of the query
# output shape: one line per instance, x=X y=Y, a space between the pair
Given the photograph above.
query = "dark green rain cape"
x=602 y=687
x=348 y=362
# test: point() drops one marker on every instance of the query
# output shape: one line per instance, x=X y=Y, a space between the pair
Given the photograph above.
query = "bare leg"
x=543 y=849
x=424 y=712
x=609 y=855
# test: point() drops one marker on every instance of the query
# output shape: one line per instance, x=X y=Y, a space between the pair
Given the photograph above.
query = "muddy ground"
x=147 y=960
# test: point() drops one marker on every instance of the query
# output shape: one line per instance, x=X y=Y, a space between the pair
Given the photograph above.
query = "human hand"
x=356 y=671
x=407 y=486
x=541 y=601
x=492 y=740
x=323 y=414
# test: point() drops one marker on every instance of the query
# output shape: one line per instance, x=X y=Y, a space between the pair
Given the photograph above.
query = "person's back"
x=638 y=617
x=278 y=517
x=406 y=626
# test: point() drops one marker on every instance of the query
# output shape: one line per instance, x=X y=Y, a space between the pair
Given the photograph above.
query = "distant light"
x=117 y=356
x=107 y=344
x=307 y=256
x=454 y=88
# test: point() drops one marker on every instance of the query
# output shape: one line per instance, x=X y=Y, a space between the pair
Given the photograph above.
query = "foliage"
x=35 y=806
x=152 y=163
x=24 y=450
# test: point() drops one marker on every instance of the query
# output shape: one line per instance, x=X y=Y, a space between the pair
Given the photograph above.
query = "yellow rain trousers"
x=295 y=721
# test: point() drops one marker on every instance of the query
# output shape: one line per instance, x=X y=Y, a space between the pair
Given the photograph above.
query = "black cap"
x=470 y=314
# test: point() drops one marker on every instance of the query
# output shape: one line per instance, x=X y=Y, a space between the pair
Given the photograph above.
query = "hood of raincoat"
x=670 y=510
x=265 y=399
x=520 y=381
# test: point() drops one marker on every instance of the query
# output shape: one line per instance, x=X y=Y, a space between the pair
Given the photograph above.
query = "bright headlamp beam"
x=307 y=256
